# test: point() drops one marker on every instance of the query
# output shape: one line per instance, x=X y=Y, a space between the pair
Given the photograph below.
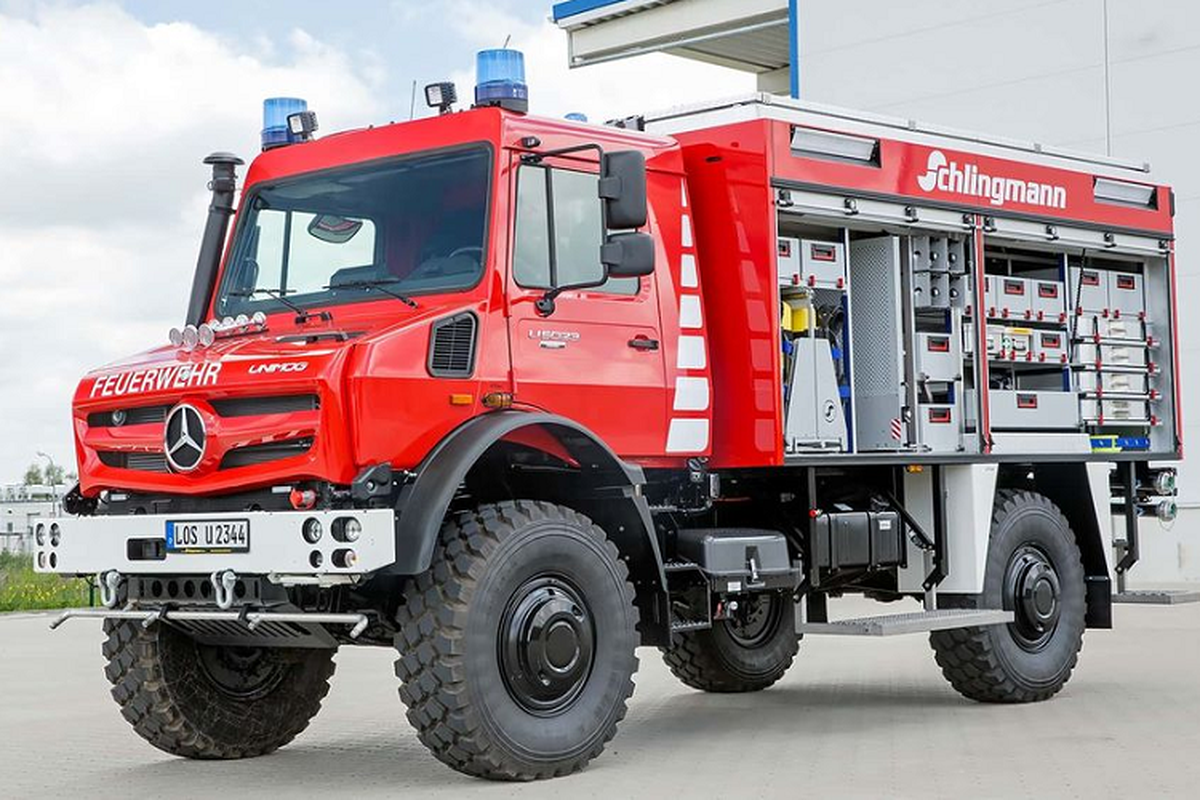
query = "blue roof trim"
x=570 y=8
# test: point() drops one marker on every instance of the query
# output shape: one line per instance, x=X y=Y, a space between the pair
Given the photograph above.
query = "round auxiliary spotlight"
x=206 y=335
x=191 y=337
x=241 y=321
x=259 y=319
x=312 y=530
x=175 y=337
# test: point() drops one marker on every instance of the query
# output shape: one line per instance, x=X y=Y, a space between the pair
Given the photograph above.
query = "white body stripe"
x=686 y=222
x=687 y=436
x=691 y=353
x=688 y=279
x=691 y=394
x=690 y=317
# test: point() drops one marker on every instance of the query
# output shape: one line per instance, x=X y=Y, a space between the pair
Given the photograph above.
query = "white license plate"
x=208 y=535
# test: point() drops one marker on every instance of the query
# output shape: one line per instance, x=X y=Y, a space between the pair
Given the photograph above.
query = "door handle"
x=643 y=343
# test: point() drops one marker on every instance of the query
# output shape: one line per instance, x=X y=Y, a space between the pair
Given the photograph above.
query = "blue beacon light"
x=275 y=131
x=500 y=80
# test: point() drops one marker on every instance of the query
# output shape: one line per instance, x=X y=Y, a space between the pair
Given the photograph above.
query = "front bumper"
x=137 y=545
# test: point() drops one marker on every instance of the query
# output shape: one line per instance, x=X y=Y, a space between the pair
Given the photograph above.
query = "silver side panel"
x=970 y=491
x=876 y=344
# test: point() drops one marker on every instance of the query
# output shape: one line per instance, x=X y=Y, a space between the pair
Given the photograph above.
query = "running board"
x=252 y=620
x=916 y=622
x=1158 y=597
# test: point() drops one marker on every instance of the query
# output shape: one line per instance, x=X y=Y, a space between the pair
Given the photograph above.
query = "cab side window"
x=559 y=231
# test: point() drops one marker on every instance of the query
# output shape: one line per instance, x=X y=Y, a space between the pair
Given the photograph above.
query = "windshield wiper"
x=302 y=314
x=377 y=284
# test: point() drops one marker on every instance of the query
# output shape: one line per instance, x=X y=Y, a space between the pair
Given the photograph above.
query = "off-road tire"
x=989 y=664
x=452 y=626
x=172 y=702
x=713 y=660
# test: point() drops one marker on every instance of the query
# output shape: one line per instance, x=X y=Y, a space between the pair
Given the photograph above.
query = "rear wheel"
x=749 y=650
x=1034 y=570
x=210 y=702
x=517 y=645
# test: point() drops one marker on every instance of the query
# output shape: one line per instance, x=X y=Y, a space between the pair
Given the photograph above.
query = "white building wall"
x=1040 y=70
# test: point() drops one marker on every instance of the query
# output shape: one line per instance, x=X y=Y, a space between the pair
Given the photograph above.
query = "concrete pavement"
x=854 y=718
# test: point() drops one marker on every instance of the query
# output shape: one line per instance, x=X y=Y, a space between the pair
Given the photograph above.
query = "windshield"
x=404 y=227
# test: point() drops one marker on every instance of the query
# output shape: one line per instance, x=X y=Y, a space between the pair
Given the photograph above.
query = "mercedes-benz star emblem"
x=183 y=438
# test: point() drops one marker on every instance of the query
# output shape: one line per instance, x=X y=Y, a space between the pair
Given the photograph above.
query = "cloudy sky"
x=107 y=108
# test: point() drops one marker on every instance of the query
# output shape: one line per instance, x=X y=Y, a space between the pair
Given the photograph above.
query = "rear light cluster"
x=343 y=530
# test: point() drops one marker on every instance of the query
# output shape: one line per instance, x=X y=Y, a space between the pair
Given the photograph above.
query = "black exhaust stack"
x=223 y=185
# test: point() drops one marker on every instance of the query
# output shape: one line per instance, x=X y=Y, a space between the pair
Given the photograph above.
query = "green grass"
x=22 y=589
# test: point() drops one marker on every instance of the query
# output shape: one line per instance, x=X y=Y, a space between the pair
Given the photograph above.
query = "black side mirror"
x=623 y=188
x=628 y=255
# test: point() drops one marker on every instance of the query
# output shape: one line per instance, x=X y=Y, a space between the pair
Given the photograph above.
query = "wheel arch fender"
x=424 y=501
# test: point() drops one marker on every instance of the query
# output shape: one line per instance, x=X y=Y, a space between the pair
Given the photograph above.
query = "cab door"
x=598 y=357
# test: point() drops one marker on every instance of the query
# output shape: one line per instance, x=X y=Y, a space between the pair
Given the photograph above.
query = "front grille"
x=142 y=415
x=141 y=462
x=262 y=453
x=452 y=346
x=251 y=406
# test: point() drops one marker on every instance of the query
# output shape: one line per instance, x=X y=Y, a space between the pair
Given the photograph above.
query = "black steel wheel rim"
x=243 y=673
x=547 y=644
x=1033 y=592
x=755 y=620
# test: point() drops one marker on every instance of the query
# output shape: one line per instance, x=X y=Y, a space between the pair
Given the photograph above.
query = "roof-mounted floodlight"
x=1107 y=190
x=814 y=143
x=441 y=96
x=302 y=125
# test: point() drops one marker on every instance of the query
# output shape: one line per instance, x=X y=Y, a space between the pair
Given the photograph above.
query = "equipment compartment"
x=938 y=357
x=939 y=429
x=1034 y=410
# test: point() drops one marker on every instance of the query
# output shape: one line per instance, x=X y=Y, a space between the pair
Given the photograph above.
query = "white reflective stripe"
x=691 y=353
x=687 y=436
x=687 y=230
x=691 y=394
x=689 y=312
x=683 y=194
x=687 y=271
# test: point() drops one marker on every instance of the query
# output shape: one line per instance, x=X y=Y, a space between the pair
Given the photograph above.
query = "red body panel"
x=711 y=388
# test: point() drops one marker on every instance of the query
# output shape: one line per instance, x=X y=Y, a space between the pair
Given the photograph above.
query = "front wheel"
x=517 y=644
x=208 y=701
x=1034 y=570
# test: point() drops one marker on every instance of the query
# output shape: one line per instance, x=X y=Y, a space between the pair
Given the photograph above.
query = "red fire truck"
x=516 y=395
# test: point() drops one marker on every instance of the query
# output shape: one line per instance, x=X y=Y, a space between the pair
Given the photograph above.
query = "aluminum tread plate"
x=916 y=622
x=1158 y=597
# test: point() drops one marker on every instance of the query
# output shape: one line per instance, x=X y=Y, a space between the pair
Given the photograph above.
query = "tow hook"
x=109 y=583
x=223 y=583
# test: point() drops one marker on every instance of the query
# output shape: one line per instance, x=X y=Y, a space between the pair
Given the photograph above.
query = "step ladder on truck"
x=516 y=395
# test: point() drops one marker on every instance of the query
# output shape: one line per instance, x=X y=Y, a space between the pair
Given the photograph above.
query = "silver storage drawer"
x=1088 y=290
x=1050 y=347
x=801 y=262
x=938 y=357
x=1110 y=355
x=1125 y=296
x=1114 y=382
x=1036 y=410
x=1047 y=301
x=1109 y=411
x=1113 y=328
x=939 y=429
x=1009 y=344
x=1012 y=297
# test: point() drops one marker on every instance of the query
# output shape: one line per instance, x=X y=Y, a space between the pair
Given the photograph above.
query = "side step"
x=1157 y=597
x=916 y=622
